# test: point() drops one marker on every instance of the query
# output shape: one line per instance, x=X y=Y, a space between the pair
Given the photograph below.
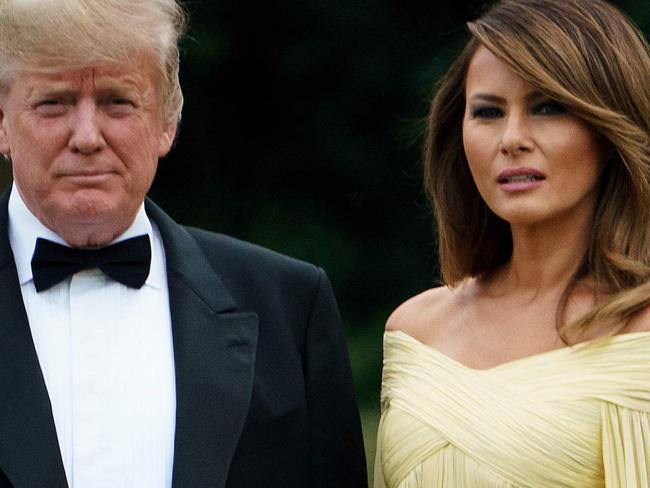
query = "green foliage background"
x=301 y=132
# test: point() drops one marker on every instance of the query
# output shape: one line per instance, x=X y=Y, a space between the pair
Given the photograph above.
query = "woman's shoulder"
x=639 y=322
x=420 y=313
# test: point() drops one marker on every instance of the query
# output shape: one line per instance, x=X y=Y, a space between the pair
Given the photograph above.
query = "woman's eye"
x=486 y=113
x=549 y=108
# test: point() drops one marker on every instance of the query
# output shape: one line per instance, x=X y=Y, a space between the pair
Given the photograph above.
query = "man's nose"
x=517 y=137
x=86 y=135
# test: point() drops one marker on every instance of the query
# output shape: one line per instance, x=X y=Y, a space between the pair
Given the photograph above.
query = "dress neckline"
x=512 y=362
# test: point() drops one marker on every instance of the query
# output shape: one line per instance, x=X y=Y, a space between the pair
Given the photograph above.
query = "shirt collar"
x=25 y=228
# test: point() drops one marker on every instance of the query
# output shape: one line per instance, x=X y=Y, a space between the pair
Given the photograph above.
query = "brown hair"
x=591 y=58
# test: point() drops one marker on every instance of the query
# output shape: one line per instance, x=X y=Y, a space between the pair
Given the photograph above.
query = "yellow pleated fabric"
x=573 y=417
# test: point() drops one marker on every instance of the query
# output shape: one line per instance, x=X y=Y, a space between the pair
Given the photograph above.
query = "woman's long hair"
x=592 y=59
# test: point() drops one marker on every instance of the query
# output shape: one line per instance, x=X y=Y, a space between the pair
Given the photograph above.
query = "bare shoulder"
x=418 y=314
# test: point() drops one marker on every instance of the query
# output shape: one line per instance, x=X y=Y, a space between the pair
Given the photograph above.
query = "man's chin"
x=88 y=222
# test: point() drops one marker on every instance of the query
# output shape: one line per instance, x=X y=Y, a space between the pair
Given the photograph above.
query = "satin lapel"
x=214 y=352
x=29 y=450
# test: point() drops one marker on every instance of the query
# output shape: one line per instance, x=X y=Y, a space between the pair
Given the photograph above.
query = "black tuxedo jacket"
x=264 y=393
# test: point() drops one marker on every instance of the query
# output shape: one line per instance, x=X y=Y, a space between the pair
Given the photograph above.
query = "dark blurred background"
x=302 y=132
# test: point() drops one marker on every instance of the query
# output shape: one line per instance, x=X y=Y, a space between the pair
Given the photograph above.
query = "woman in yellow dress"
x=531 y=366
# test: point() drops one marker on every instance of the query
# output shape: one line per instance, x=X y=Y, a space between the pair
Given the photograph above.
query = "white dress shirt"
x=107 y=357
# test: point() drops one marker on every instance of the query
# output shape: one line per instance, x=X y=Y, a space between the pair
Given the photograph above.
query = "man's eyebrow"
x=115 y=88
x=54 y=90
x=63 y=90
x=121 y=82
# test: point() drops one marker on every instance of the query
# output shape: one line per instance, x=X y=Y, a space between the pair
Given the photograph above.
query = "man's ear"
x=167 y=136
x=4 y=139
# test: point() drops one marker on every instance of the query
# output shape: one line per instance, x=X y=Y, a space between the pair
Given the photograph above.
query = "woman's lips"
x=520 y=179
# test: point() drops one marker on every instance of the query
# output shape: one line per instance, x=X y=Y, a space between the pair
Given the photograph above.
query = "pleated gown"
x=575 y=417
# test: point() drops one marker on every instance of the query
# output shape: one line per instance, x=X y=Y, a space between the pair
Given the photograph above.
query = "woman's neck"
x=546 y=255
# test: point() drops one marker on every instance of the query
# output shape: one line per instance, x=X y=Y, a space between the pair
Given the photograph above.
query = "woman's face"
x=531 y=160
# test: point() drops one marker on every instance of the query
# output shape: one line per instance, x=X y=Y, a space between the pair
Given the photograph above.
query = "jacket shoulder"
x=227 y=253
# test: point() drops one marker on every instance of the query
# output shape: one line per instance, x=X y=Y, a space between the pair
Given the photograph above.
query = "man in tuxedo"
x=135 y=352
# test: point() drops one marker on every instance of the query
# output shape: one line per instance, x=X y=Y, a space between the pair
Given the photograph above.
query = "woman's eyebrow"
x=487 y=97
x=535 y=95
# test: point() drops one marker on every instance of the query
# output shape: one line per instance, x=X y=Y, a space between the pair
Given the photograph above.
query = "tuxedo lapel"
x=29 y=450
x=214 y=354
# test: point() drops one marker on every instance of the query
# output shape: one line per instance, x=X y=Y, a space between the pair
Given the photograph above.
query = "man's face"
x=85 y=145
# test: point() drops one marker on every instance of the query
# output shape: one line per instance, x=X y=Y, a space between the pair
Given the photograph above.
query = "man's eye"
x=120 y=101
x=50 y=107
x=486 y=112
x=549 y=108
x=119 y=106
x=49 y=103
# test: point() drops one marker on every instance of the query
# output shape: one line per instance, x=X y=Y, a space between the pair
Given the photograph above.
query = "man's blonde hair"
x=69 y=34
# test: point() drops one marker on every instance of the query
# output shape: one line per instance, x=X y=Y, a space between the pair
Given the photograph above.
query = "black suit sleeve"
x=336 y=442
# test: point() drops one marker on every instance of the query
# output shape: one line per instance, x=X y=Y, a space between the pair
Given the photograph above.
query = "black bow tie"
x=127 y=261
